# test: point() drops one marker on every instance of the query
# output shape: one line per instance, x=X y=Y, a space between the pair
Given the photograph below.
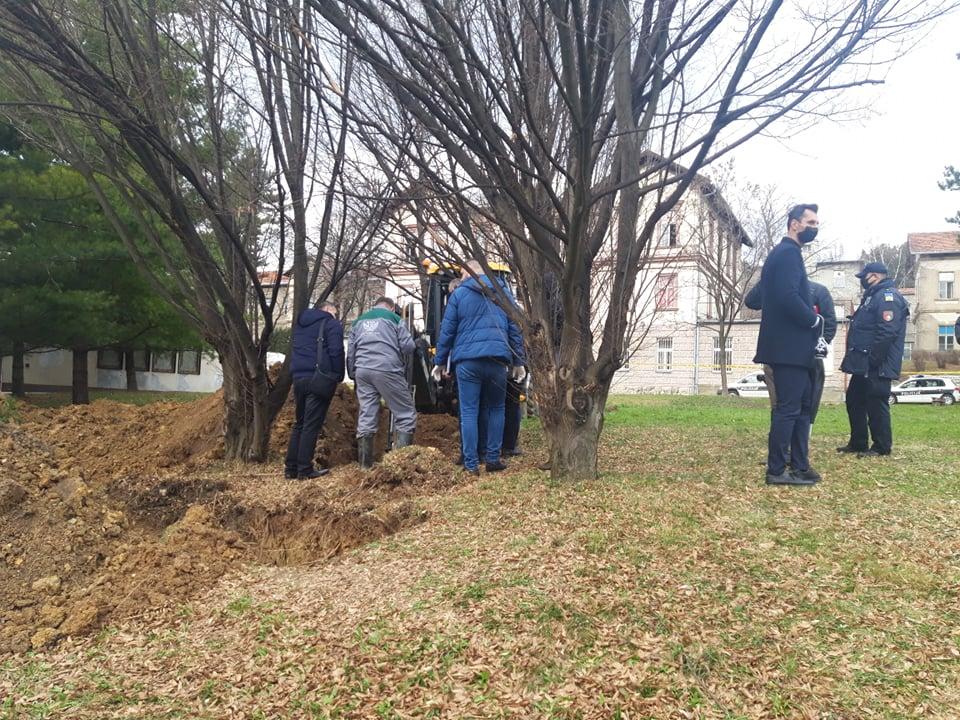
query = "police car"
x=751 y=385
x=925 y=389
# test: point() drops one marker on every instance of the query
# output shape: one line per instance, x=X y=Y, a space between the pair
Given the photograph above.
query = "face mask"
x=864 y=283
x=807 y=235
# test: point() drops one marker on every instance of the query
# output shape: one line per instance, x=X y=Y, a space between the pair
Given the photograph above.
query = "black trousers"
x=512 y=416
x=790 y=419
x=311 y=412
x=868 y=407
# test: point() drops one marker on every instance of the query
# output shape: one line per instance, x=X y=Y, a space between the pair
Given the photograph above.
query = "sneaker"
x=496 y=466
x=512 y=452
x=289 y=474
x=313 y=474
x=848 y=449
x=808 y=474
x=786 y=478
x=475 y=472
x=871 y=454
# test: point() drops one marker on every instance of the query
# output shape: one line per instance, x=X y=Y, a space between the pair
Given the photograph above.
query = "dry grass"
x=677 y=586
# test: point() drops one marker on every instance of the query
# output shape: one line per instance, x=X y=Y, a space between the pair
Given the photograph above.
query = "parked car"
x=751 y=385
x=925 y=389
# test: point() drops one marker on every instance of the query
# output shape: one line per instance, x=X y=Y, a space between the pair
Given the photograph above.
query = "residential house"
x=936 y=302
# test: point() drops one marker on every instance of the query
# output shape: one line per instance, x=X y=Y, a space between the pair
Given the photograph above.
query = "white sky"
x=876 y=179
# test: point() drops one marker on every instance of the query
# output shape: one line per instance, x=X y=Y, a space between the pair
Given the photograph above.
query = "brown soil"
x=109 y=509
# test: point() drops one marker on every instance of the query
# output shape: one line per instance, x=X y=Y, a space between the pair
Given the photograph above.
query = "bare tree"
x=541 y=112
x=901 y=263
x=214 y=120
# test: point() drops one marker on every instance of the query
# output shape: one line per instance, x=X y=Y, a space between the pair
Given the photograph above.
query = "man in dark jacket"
x=873 y=358
x=377 y=355
x=484 y=345
x=823 y=305
x=789 y=329
x=307 y=354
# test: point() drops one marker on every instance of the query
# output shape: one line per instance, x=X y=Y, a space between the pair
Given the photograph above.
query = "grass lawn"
x=675 y=586
x=141 y=397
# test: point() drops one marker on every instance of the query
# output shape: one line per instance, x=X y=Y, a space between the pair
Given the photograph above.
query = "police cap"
x=873 y=267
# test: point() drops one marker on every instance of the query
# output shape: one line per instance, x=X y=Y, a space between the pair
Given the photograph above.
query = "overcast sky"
x=876 y=179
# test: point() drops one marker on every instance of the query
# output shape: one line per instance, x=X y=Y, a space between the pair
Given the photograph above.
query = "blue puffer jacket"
x=474 y=327
x=306 y=330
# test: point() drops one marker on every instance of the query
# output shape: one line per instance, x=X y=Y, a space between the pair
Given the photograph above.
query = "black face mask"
x=864 y=283
x=807 y=235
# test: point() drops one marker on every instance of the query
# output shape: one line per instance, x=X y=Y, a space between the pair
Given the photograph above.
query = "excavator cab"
x=430 y=396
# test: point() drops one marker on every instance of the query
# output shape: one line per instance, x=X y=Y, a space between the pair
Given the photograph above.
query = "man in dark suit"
x=789 y=330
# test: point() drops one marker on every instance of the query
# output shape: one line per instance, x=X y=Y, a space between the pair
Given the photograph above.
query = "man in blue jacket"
x=789 y=330
x=306 y=356
x=485 y=345
x=873 y=358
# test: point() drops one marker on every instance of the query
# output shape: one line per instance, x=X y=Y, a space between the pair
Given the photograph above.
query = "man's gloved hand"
x=517 y=373
x=822 y=349
x=436 y=373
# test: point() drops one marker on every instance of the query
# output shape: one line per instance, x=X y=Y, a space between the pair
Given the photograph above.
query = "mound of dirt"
x=415 y=466
x=106 y=437
x=57 y=533
x=109 y=509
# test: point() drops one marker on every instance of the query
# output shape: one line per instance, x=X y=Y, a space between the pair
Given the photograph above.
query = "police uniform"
x=873 y=358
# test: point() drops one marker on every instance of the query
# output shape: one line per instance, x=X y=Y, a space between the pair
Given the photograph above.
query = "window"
x=726 y=355
x=189 y=362
x=945 y=338
x=164 y=362
x=141 y=360
x=907 y=350
x=666 y=292
x=110 y=360
x=946 y=286
x=664 y=354
x=839 y=279
x=673 y=233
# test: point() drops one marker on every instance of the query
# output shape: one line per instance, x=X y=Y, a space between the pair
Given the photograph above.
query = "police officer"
x=873 y=357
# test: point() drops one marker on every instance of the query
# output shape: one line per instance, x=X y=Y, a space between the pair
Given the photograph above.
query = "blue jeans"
x=481 y=382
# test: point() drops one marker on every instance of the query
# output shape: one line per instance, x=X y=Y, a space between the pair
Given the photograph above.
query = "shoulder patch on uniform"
x=887 y=315
x=888 y=296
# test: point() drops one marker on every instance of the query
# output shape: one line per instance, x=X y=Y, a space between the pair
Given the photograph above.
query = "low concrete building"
x=182 y=371
x=936 y=304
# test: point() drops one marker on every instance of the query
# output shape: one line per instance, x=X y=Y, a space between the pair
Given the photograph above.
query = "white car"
x=751 y=385
x=925 y=389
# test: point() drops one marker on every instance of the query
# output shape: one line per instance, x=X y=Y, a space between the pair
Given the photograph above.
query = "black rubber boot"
x=365 y=451
x=404 y=439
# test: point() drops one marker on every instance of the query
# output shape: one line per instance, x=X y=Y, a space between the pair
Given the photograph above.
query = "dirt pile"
x=109 y=509
x=57 y=533
x=414 y=467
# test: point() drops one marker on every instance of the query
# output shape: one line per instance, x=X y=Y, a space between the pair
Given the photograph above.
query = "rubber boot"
x=365 y=451
x=404 y=439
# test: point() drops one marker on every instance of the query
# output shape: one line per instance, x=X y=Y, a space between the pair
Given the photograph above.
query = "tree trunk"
x=572 y=417
x=131 y=371
x=80 y=394
x=246 y=413
x=17 y=386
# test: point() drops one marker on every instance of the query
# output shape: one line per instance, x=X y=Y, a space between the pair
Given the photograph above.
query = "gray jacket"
x=379 y=341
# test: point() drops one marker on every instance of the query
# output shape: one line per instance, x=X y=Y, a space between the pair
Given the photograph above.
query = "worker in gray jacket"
x=376 y=360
